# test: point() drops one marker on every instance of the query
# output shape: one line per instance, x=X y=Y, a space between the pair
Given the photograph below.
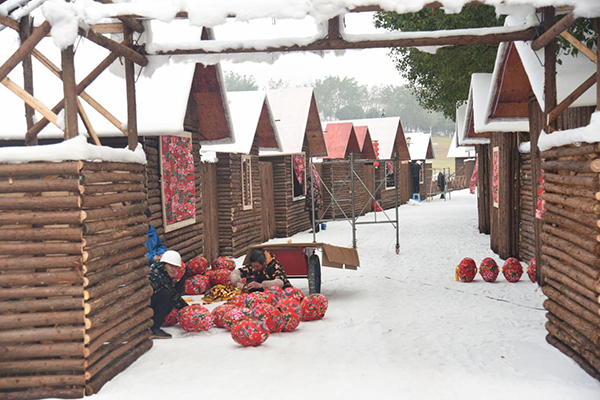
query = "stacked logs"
x=42 y=318
x=74 y=290
x=526 y=211
x=116 y=269
x=571 y=252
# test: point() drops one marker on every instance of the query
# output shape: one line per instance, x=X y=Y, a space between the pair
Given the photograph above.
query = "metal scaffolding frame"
x=352 y=219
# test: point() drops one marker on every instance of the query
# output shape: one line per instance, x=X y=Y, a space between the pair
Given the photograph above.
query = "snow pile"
x=70 y=150
x=587 y=134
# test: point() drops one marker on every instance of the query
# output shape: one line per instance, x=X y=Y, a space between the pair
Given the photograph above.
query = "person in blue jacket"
x=155 y=246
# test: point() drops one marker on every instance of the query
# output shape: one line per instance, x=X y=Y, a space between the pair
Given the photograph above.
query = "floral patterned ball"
x=195 y=285
x=252 y=299
x=249 y=333
x=239 y=300
x=190 y=308
x=488 y=269
x=267 y=297
x=294 y=293
x=234 y=315
x=531 y=270
x=196 y=319
x=290 y=304
x=219 y=312
x=219 y=277
x=290 y=320
x=270 y=315
x=466 y=270
x=314 y=307
x=227 y=263
x=172 y=318
x=275 y=290
x=196 y=266
x=512 y=270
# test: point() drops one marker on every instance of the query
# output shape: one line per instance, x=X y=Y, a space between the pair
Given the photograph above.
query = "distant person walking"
x=313 y=202
x=441 y=181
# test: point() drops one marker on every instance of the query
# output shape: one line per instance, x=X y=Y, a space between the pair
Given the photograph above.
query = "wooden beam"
x=88 y=125
x=70 y=90
x=104 y=112
x=549 y=69
x=32 y=101
x=115 y=47
x=474 y=36
x=586 y=51
x=25 y=28
x=11 y=23
x=553 y=30
x=26 y=47
x=130 y=22
x=570 y=99
x=132 y=136
x=31 y=133
x=111 y=27
x=597 y=26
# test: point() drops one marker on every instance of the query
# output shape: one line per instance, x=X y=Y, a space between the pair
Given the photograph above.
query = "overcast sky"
x=369 y=66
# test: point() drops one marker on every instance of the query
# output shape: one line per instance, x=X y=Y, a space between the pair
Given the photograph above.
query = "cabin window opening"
x=298 y=176
x=246 y=182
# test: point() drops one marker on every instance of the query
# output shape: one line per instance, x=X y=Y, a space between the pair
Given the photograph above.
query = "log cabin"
x=464 y=163
x=301 y=136
x=242 y=190
x=421 y=150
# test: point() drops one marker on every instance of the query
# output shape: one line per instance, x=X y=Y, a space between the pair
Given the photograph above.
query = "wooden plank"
x=551 y=33
x=570 y=99
x=25 y=27
x=25 y=49
x=132 y=133
x=32 y=101
x=88 y=124
x=69 y=87
x=586 y=51
x=115 y=47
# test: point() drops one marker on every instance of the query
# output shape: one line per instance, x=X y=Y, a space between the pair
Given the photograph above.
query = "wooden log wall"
x=484 y=185
x=526 y=211
x=74 y=303
x=188 y=241
x=336 y=176
x=403 y=179
x=570 y=252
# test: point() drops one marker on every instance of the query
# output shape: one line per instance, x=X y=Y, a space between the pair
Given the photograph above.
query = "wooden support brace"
x=115 y=47
x=580 y=46
x=25 y=26
x=553 y=32
x=570 y=99
x=132 y=136
x=18 y=56
x=88 y=124
x=11 y=23
x=32 y=101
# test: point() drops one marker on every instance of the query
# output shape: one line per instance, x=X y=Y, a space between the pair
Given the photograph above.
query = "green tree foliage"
x=441 y=80
x=235 y=82
x=334 y=93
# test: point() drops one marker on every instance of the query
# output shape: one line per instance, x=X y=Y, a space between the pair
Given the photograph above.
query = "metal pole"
x=352 y=200
x=375 y=189
x=396 y=175
x=312 y=200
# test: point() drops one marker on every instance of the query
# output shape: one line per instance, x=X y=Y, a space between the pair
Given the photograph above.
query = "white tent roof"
x=382 y=130
x=245 y=109
x=290 y=109
x=419 y=143
x=456 y=151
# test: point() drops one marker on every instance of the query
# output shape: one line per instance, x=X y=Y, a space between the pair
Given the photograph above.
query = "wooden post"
x=132 y=134
x=24 y=32
x=69 y=87
x=597 y=25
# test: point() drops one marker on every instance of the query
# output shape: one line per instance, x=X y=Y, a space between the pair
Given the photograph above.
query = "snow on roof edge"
x=587 y=134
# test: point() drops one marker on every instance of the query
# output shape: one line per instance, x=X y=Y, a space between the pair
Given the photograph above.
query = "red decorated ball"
x=196 y=320
x=227 y=263
x=172 y=318
x=290 y=304
x=270 y=315
x=466 y=270
x=275 y=290
x=269 y=298
x=195 y=285
x=234 y=315
x=290 y=320
x=294 y=293
x=190 y=308
x=488 y=269
x=239 y=300
x=531 y=270
x=220 y=277
x=253 y=299
x=314 y=307
x=249 y=333
x=512 y=270
x=196 y=266
x=219 y=312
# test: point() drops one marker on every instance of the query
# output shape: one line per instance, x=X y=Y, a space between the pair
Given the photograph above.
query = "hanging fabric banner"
x=473 y=181
x=495 y=176
x=315 y=175
x=178 y=181
x=389 y=167
x=540 y=203
x=298 y=161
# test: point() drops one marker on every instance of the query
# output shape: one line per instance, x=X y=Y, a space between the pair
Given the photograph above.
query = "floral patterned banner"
x=315 y=175
x=541 y=204
x=178 y=182
x=473 y=181
x=390 y=167
x=298 y=163
x=495 y=174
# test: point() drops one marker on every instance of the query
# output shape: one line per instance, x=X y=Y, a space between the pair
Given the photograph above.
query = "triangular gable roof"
x=341 y=140
x=389 y=134
x=456 y=151
x=252 y=119
x=461 y=129
x=162 y=98
x=420 y=146
x=365 y=142
x=297 y=118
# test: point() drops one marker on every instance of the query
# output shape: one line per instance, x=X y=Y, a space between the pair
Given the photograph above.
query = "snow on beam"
x=552 y=33
x=345 y=42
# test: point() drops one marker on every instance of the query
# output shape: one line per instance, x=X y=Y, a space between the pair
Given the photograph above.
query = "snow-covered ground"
x=398 y=328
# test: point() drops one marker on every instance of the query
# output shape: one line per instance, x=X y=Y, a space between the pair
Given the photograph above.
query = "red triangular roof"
x=365 y=142
x=340 y=139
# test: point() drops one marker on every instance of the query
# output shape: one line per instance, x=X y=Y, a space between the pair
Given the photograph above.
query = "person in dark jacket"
x=415 y=171
x=155 y=246
x=313 y=199
x=441 y=181
x=165 y=279
x=263 y=272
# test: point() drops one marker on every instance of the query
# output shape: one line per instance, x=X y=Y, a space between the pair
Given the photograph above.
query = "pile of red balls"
x=200 y=276
x=512 y=270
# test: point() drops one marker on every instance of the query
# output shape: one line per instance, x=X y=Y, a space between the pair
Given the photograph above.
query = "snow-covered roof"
x=386 y=131
x=420 y=146
x=456 y=151
x=246 y=109
x=292 y=110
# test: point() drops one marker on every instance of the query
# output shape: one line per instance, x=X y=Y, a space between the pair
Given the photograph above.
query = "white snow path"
x=398 y=328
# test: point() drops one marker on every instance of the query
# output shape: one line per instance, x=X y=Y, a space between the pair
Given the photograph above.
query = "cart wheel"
x=314 y=274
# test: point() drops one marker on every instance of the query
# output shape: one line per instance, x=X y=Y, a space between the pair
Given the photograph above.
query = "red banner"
x=299 y=162
x=495 y=176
